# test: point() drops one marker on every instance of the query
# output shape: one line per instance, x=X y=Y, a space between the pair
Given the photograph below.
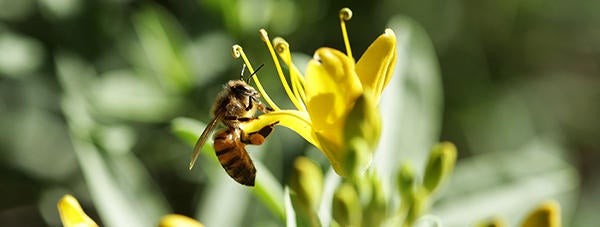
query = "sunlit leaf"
x=411 y=105
x=122 y=190
x=122 y=94
x=19 y=55
x=508 y=184
x=162 y=40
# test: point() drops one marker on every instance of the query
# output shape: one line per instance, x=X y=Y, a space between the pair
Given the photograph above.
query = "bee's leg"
x=264 y=109
x=251 y=100
x=230 y=118
x=240 y=119
x=261 y=106
x=246 y=119
x=258 y=137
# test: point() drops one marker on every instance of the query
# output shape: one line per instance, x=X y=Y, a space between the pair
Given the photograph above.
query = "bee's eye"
x=240 y=88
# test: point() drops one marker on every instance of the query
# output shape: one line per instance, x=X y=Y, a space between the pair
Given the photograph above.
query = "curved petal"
x=331 y=86
x=295 y=120
x=376 y=65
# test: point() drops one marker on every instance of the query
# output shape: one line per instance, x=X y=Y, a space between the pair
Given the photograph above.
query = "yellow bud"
x=71 y=213
x=439 y=166
x=346 y=207
x=545 y=215
x=177 y=220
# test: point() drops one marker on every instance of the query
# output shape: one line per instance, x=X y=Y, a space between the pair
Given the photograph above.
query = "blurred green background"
x=88 y=91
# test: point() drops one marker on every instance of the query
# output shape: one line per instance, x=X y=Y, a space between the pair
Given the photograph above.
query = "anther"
x=236 y=51
x=345 y=14
x=280 y=44
x=263 y=35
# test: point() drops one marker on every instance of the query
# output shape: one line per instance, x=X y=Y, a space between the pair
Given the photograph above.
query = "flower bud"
x=439 y=166
x=346 y=207
x=307 y=185
x=420 y=203
x=177 y=220
x=362 y=132
x=376 y=210
x=406 y=183
x=545 y=215
x=71 y=213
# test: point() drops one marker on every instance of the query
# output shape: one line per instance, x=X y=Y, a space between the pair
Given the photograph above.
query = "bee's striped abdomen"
x=233 y=156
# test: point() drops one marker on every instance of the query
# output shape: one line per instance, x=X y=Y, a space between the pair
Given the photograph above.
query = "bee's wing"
x=200 y=143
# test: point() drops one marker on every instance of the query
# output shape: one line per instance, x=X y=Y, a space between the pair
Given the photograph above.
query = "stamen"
x=283 y=49
x=238 y=52
x=346 y=15
x=288 y=91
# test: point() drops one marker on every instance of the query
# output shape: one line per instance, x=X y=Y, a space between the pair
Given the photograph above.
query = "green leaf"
x=509 y=184
x=121 y=188
x=268 y=190
x=330 y=184
x=187 y=129
x=125 y=95
x=411 y=105
x=290 y=214
x=20 y=55
x=161 y=39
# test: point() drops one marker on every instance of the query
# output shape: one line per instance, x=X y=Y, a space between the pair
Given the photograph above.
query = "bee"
x=237 y=103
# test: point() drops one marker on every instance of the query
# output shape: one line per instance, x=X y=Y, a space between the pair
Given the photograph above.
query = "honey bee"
x=237 y=103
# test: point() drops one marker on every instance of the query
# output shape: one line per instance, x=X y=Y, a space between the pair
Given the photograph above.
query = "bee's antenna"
x=254 y=73
x=242 y=74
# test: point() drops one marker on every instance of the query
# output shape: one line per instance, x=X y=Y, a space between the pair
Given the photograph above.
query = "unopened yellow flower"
x=71 y=213
x=178 y=220
x=327 y=93
x=546 y=214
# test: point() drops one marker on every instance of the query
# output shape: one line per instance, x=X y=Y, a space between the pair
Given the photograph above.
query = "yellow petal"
x=295 y=120
x=331 y=86
x=71 y=213
x=177 y=220
x=376 y=65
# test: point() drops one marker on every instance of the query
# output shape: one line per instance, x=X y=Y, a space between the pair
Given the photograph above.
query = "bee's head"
x=241 y=88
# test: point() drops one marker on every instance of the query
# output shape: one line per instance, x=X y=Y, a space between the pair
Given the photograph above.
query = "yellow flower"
x=326 y=95
x=71 y=213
